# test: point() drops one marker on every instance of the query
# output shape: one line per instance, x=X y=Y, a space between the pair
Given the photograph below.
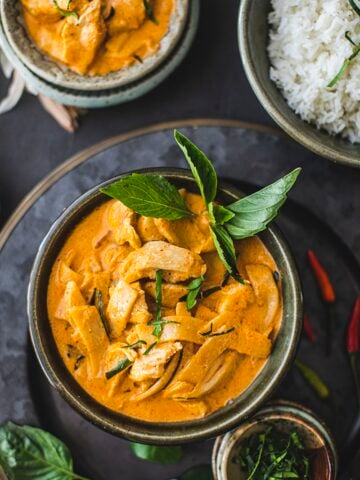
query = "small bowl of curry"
x=94 y=44
x=119 y=334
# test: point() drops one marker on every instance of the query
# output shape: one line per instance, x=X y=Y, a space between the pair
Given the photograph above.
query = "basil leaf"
x=33 y=454
x=201 y=472
x=122 y=365
x=254 y=212
x=220 y=214
x=66 y=13
x=5 y=472
x=194 y=289
x=153 y=453
x=150 y=196
x=201 y=167
x=158 y=323
x=225 y=247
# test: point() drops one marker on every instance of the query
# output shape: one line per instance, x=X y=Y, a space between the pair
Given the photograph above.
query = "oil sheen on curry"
x=103 y=299
x=96 y=37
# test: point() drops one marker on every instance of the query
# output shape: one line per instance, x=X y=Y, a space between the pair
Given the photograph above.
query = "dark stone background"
x=210 y=83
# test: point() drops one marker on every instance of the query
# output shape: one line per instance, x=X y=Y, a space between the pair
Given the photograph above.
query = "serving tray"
x=243 y=154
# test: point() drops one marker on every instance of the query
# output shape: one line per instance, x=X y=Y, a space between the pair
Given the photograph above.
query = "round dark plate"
x=243 y=154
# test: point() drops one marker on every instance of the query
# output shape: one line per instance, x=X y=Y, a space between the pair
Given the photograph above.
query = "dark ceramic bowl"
x=131 y=428
x=253 y=35
x=287 y=416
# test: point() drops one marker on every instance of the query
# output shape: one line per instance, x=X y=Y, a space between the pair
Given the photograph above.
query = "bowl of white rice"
x=302 y=59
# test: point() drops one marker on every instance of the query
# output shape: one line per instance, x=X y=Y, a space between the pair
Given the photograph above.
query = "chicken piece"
x=72 y=298
x=90 y=264
x=171 y=293
x=177 y=263
x=186 y=329
x=234 y=298
x=152 y=366
x=65 y=274
x=122 y=300
x=140 y=312
x=122 y=222
x=43 y=10
x=99 y=281
x=82 y=39
x=215 y=270
x=88 y=325
x=182 y=310
x=113 y=254
x=147 y=229
x=127 y=16
x=262 y=314
x=205 y=313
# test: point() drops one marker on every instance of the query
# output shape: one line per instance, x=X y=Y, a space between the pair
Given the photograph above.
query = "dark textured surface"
x=210 y=83
x=25 y=395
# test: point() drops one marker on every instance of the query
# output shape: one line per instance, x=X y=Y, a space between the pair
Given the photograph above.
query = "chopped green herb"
x=273 y=454
x=67 y=12
x=194 y=290
x=150 y=347
x=149 y=10
x=100 y=307
x=135 y=345
x=122 y=365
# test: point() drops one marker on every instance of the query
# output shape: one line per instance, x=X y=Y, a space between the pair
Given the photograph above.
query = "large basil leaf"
x=254 y=212
x=150 y=196
x=225 y=247
x=153 y=453
x=201 y=167
x=33 y=454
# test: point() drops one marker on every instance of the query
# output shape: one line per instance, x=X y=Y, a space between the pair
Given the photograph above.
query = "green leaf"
x=194 y=288
x=33 y=454
x=153 y=453
x=201 y=167
x=158 y=324
x=66 y=13
x=225 y=247
x=254 y=212
x=150 y=196
x=220 y=214
x=121 y=365
x=201 y=472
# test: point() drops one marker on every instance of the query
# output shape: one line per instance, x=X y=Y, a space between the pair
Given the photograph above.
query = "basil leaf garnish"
x=254 y=212
x=194 y=289
x=201 y=167
x=67 y=12
x=150 y=196
x=219 y=214
x=29 y=453
x=153 y=453
x=122 y=365
x=225 y=247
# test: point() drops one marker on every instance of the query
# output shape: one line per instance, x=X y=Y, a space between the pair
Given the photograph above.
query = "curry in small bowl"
x=94 y=44
x=151 y=317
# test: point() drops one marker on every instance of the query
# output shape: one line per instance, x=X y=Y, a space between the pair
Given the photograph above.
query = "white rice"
x=307 y=48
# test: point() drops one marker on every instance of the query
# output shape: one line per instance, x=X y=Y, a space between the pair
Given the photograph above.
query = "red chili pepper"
x=308 y=329
x=322 y=277
x=353 y=345
x=353 y=331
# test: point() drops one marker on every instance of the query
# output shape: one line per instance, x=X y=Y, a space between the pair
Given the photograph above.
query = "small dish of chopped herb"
x=283 y=440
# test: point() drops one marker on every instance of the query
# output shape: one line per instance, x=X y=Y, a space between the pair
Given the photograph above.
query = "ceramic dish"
x=287 y=416
x=59 y=75
x=168 y=433
x=253 y=41
x=107 y=98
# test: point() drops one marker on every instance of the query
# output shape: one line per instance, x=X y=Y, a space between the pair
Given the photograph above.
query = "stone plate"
x=242 y=154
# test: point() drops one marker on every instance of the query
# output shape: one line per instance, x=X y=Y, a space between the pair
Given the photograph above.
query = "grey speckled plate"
x=59 y=75
x=246 y=154
x=114 y=96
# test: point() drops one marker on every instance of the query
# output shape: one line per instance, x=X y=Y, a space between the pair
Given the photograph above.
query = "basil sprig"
x=150 y=196
x=28 y=453
x=194 y=289
x=153 y=196
x=153 y=453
